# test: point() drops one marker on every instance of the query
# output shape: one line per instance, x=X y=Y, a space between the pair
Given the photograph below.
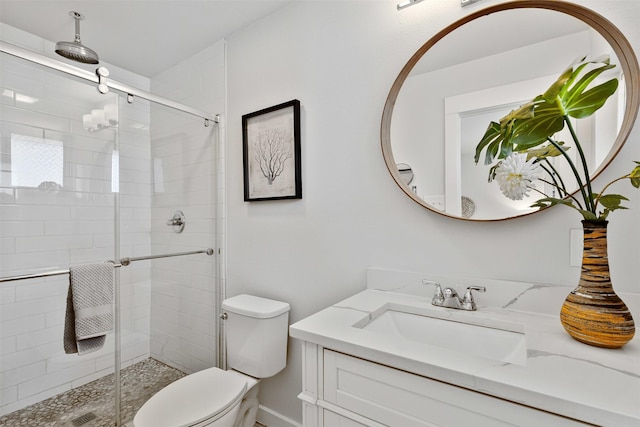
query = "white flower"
x=515 y=175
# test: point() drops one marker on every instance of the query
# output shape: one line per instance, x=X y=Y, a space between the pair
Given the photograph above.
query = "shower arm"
x=77 y=18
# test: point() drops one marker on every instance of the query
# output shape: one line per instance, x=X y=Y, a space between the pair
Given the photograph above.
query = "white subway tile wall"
x=186 y=161
x=47 y=225
x=72 y=222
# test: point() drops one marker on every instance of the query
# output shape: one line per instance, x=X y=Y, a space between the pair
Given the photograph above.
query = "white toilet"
x=256 y=335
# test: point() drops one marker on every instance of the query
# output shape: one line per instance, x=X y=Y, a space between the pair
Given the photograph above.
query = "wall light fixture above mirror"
x=464 y=3
x=406 y=3
x=478 y=69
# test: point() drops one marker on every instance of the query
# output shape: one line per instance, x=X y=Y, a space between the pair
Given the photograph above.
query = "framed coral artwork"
x=271 y=153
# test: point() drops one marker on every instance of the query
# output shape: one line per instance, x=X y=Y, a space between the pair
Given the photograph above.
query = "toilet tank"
x=256 y=331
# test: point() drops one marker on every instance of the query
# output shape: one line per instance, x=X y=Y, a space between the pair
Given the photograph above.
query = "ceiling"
x=143 y=36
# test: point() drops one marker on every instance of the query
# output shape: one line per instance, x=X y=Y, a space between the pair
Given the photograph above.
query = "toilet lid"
x=195 y=398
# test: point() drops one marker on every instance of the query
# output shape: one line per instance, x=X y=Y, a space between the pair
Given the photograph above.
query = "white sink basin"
x=467 y=332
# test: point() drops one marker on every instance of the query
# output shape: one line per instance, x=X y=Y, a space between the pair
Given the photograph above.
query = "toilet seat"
x=193 y=400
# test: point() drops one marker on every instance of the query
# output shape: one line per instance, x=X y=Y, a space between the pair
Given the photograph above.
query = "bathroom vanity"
x=388 y=357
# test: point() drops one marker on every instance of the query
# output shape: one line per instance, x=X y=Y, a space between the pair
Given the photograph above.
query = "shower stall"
x=97 y=170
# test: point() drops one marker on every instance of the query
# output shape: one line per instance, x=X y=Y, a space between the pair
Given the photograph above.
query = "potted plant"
x=520 y=148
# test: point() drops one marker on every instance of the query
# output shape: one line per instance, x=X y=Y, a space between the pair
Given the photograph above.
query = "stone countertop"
x=560 y=375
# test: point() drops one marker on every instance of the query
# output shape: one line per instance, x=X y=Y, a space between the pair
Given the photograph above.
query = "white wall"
x=340 y=59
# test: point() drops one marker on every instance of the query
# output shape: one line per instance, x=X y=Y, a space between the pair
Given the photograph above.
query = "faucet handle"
x=438 y=296
x=467 y=301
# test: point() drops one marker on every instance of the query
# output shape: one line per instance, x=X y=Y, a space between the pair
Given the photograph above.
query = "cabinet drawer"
x=399 y=399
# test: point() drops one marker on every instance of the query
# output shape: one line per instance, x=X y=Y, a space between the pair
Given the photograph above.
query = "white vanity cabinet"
x=386 y=357
x=345 y=391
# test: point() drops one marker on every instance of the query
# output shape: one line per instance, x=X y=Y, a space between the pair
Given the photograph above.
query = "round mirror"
x=477 y=70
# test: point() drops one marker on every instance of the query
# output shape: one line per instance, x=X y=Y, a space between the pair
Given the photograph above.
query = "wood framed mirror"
x=478 y=69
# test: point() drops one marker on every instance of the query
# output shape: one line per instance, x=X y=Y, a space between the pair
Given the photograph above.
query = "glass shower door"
x=57 y=209
x=85 y=178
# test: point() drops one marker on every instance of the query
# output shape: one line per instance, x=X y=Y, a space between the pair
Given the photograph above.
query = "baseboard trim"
x=271 y=418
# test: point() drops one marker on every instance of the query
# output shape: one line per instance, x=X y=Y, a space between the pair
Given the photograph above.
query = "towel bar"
x=123 y=263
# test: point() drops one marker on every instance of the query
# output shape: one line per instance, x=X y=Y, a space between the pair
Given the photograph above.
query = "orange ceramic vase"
x=593 y=313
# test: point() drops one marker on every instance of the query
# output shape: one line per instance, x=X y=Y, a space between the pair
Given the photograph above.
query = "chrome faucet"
x=449 y=297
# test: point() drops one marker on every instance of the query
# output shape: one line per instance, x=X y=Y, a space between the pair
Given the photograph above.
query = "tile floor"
x=91 y=405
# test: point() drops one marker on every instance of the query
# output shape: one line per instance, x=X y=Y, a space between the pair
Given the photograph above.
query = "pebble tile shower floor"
x=91 y=405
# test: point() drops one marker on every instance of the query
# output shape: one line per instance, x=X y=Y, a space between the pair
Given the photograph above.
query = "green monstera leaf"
x=546 y=151
x=634 y=176
x=533 y=123
x=530 y=129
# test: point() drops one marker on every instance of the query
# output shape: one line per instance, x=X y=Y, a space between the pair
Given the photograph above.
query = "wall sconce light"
x=101 y=119
x=406 y=3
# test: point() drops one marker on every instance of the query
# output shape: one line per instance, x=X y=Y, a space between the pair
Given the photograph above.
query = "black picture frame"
x=271 y=153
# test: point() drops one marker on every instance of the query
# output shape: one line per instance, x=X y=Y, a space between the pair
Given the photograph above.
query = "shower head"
x=75 y=50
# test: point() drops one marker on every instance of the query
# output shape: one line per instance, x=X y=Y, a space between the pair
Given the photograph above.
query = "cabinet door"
x=332 y=419
x=399 y=399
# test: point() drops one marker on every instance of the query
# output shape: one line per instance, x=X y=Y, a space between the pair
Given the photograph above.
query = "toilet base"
x=248 y=407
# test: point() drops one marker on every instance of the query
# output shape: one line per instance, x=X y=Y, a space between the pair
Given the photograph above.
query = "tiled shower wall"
x=161 y=169
x=67 y=221
x=187 y=172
